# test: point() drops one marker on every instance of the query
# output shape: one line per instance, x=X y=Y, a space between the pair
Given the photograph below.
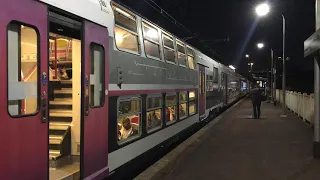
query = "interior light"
x=123 y=12
x=191 y=95
x=152 y=33
x=119 y=38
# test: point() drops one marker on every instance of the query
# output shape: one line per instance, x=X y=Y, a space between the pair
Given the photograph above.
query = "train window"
x=215 y=75
x=192 y=103
x=96 y=98
x=183 y=100
x=190 y=58
x=151 y=42
x=23 y=59
x=154 y=113
x=209 y=83
x=129 y=117
x=126 y=34
x=169 y=52
x=181 y=54
x=171 y=108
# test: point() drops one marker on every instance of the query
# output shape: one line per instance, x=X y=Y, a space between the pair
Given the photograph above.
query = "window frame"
x=165 y=106
x=184 y=102
x=150 y=40
x=209 y=80
x=113 y=6
x=163 y=34
x=178 y=42
x=191 y=54
x=139 y=135
x=149 y=131
x=215 y=75
x=195 y=102
x=19 y=55
x=103 y=85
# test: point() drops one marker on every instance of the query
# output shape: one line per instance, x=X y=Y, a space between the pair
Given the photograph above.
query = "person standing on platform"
x=256 y=98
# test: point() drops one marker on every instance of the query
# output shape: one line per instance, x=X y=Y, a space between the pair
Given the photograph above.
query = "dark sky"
x=212 y=20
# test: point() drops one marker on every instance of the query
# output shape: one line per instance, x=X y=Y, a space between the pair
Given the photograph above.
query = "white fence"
x=301 y=104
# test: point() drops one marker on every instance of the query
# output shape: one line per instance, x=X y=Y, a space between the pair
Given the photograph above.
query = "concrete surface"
x=241 y=148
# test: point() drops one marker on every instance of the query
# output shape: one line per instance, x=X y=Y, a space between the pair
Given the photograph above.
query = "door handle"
x=44 y=110
x=86 y=108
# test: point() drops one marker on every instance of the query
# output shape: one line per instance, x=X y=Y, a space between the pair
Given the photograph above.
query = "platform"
x=236 y=147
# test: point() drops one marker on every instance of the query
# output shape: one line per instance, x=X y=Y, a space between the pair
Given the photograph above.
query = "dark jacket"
x=256 y=96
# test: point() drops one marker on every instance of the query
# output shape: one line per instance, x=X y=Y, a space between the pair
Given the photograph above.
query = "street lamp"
x=260 y=45
x=232 y=67
x=273 y=75
x=247 y=55
x=250 y=64
x=262 y=10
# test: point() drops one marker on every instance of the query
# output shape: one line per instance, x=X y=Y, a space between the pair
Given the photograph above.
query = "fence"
x=301 y=104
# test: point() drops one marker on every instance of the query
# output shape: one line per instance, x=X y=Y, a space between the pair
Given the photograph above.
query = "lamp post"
x=272 y=83
x=250 y=64
x=262 y=10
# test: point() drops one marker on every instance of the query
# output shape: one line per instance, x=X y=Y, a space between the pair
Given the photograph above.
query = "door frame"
x=202 y=90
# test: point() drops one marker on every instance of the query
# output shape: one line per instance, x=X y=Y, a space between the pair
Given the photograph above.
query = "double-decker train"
x=90 y=87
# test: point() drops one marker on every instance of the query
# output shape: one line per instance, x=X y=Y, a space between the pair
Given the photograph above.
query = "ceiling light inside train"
x=123 y=12
x=119 y=38
x=152 y=33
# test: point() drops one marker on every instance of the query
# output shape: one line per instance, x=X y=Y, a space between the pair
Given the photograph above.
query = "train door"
x=23 y=74
x=95 y=101
x=202 y=91
x=224 y=82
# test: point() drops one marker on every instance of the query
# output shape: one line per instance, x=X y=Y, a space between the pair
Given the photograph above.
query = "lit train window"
x=97 y=93
x=129 y=119
x=171 y=108
x=23 y=70
x=151 y=40
x=191 y=63
x=154 y=113
x=168 y=51
x=181 y=54
x=183 y=100
x=192 y=103
x=126 y=34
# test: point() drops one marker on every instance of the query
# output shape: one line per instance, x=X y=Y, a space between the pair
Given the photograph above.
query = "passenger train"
x=90 y=87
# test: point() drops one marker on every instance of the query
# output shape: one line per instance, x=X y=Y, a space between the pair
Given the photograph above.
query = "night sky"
x=212 y=21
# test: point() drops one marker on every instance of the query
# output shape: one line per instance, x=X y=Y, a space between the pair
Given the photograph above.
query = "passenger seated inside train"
x=126 y=130
x=153 y=119
x=182 y=111
x=170 y=114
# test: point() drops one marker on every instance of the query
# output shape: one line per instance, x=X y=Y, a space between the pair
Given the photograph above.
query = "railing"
x=301 y=104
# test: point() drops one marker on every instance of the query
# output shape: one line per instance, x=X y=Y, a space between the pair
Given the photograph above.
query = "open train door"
x=202 y=91
x=94 y=163
x=23 y=90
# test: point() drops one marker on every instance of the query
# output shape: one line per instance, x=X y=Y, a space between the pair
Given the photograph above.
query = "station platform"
x=236 y=147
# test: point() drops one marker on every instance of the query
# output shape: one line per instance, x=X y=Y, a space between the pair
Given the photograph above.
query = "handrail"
x=55 y=59
x=29 y=73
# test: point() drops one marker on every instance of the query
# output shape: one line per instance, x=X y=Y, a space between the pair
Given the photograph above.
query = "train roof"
x=98 y=11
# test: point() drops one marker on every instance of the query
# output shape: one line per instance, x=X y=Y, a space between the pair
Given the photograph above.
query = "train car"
x=92 y=89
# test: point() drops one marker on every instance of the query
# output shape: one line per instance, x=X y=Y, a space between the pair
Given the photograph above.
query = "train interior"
x=64 y=101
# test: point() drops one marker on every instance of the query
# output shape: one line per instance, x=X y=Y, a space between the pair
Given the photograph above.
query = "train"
x=92 y=87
